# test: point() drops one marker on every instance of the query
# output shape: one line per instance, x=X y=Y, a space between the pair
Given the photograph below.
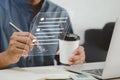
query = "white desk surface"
x=34 y=73
x=38 y=73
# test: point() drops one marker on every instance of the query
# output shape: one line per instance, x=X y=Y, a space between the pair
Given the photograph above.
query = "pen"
x=16 y=28
x=19 y=30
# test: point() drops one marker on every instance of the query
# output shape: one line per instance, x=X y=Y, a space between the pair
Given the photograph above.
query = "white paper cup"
x=67 y=45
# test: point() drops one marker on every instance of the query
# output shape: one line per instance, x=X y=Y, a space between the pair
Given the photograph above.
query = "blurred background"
x=88 y=14
x=93 y=21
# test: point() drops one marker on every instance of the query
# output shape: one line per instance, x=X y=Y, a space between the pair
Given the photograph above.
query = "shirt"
x=20 y=12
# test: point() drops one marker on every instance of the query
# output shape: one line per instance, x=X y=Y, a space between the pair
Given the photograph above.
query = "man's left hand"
x=78 y=56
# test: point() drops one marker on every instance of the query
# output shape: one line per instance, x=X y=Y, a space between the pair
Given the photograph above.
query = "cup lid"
x=68 y=36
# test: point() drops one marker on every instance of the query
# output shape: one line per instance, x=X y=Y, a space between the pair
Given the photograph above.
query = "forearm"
x=4 y=62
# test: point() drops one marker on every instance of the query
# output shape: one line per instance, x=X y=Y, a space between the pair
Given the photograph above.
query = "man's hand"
x=78 y=57
x=19 y=45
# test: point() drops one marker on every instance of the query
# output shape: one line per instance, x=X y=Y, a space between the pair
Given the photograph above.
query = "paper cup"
x=67 y=45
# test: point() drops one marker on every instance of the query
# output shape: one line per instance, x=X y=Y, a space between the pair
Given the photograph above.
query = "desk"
x=36 y=73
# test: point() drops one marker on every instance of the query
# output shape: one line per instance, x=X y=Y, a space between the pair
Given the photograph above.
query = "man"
x=15 y=46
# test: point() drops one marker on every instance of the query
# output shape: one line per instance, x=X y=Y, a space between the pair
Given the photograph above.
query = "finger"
x=25 y=54
x=82 y=56
x=77 y=59
x=81 y=60
x=25 y=34
x=22 y=46
x=79 y=50
x=74 y=62
x=22 y=39
x=74 y=58
x=58 y=52
x=24 y=51
x=19 y=52
x=71 y=61
x=77 y=62
x=32 y=37
x=31 y=47
x=19 y=45
x=30 y=42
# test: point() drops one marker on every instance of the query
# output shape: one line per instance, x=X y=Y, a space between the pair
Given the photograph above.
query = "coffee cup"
x=67 y=45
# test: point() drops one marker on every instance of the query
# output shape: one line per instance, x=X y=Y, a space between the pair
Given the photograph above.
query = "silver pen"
x=34 y=40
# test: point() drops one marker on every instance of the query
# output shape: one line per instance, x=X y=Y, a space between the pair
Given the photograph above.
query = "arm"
x=4 y=62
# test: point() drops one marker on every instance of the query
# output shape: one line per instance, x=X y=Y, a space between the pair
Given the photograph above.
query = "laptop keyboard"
x=95 y=71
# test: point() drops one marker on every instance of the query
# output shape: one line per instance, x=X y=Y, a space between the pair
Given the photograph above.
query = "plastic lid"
x=69 y=37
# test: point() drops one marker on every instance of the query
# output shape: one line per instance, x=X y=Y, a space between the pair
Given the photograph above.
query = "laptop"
x=111 y=67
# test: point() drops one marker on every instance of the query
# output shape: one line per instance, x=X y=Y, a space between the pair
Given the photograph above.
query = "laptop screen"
x=97 y=42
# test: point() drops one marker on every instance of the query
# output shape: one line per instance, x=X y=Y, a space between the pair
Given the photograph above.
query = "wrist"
x=4 y=60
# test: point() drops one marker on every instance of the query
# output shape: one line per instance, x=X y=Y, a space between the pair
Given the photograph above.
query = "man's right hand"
x=19 y=45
